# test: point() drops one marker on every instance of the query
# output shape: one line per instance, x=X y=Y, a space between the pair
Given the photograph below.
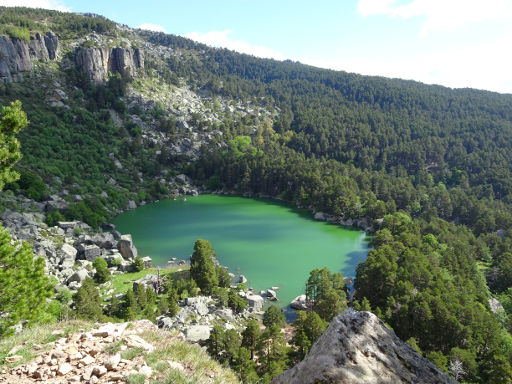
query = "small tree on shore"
x=202 y=269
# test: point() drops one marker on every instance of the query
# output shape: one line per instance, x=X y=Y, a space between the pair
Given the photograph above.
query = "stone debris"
x=88 y=357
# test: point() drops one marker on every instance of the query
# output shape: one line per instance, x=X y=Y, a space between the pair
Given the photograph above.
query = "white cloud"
x=152 y=27
x=440 y=15
x=223 y=40
x=47 y=4
x=483 y=66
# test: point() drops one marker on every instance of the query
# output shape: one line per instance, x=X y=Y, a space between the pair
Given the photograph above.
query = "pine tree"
x=131 y=307
x=250 y=336
x=274 y=316
x=138 y=264
x=202 y=269
x=272 y=351
x=13 y=120
x=172 y=301
x=87 y=301
x=24 y=287
x=102 y=273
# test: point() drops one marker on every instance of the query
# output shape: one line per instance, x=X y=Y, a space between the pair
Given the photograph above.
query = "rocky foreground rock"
x=357 y=347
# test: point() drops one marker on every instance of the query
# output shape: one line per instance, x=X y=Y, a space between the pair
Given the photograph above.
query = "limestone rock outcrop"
x=98 y=62
x=17 y=55
x=357 y=347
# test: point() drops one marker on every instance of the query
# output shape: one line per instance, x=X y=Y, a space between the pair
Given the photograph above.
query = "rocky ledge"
x=70 y=248
x=357 y=347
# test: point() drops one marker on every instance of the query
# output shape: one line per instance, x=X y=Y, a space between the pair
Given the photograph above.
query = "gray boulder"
x=147 y=261
x=67 y=224
x=299 y=303
x=104 y=240
x=67 y=256
x=78 y=276
x=357 y=347
x=126 y=247
x=271 y=295
x=196 y=333
x=89 y=251
x=165 y=322
x=255 y=302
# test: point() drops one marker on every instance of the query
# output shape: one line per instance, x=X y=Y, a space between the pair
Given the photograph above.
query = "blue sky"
x=456 y=43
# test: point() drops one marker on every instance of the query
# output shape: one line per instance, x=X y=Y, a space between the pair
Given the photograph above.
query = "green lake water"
x=272 y=244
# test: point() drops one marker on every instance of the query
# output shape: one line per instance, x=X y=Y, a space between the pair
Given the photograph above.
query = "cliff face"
x=17 y=56
x=358 y=348
x=97 y=62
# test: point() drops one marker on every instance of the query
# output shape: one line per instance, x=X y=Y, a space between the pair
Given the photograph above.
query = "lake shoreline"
x=243 y=222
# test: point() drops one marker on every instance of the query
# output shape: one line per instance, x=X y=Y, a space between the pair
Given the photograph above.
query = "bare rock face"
x=16 y=55
x=126 y=247
x=357 y=347
x=98 y=62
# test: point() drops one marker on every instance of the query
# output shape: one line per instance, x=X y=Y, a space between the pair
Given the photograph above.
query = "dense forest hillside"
x=426 y=169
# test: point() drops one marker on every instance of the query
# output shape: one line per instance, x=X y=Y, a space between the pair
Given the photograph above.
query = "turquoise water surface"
x=272 y=244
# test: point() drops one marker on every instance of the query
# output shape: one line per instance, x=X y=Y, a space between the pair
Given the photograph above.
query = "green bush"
x=138 y=264
x=53 y=217
x=17 y=32
x=102 y=272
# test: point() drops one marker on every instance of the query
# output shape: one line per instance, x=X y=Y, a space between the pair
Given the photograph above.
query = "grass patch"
x=131 y=353
x=114 y=347
x=174 y=377
x=195 y=359
x=136 y=378
x=121 y=283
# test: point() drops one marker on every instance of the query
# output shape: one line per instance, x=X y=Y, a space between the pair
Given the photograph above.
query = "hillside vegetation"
x=427 y=168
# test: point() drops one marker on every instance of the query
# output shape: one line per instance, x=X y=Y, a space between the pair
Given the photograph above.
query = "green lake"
x=271 y=243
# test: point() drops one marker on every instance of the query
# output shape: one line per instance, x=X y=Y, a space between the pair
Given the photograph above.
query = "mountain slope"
x=122 y=117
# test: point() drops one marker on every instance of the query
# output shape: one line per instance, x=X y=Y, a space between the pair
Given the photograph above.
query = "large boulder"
x=104 y=240
x=67 y=256
x=150 y=280
x=255 y=302
x=126 y=247
x=299 y=303
x=271 y=295
x=199 y=304
x=196 y=333
x=89 y=251
x=357 y=347
x=78 y=276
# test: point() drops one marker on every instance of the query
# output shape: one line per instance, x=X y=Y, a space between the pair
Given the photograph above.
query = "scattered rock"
x=113 y=362
x=13 y=359
x=134 y=341
x=64 y=369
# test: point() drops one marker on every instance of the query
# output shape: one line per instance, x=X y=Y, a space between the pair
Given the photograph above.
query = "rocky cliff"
x=17 y=55
x=358 y=348
x=98 y=62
